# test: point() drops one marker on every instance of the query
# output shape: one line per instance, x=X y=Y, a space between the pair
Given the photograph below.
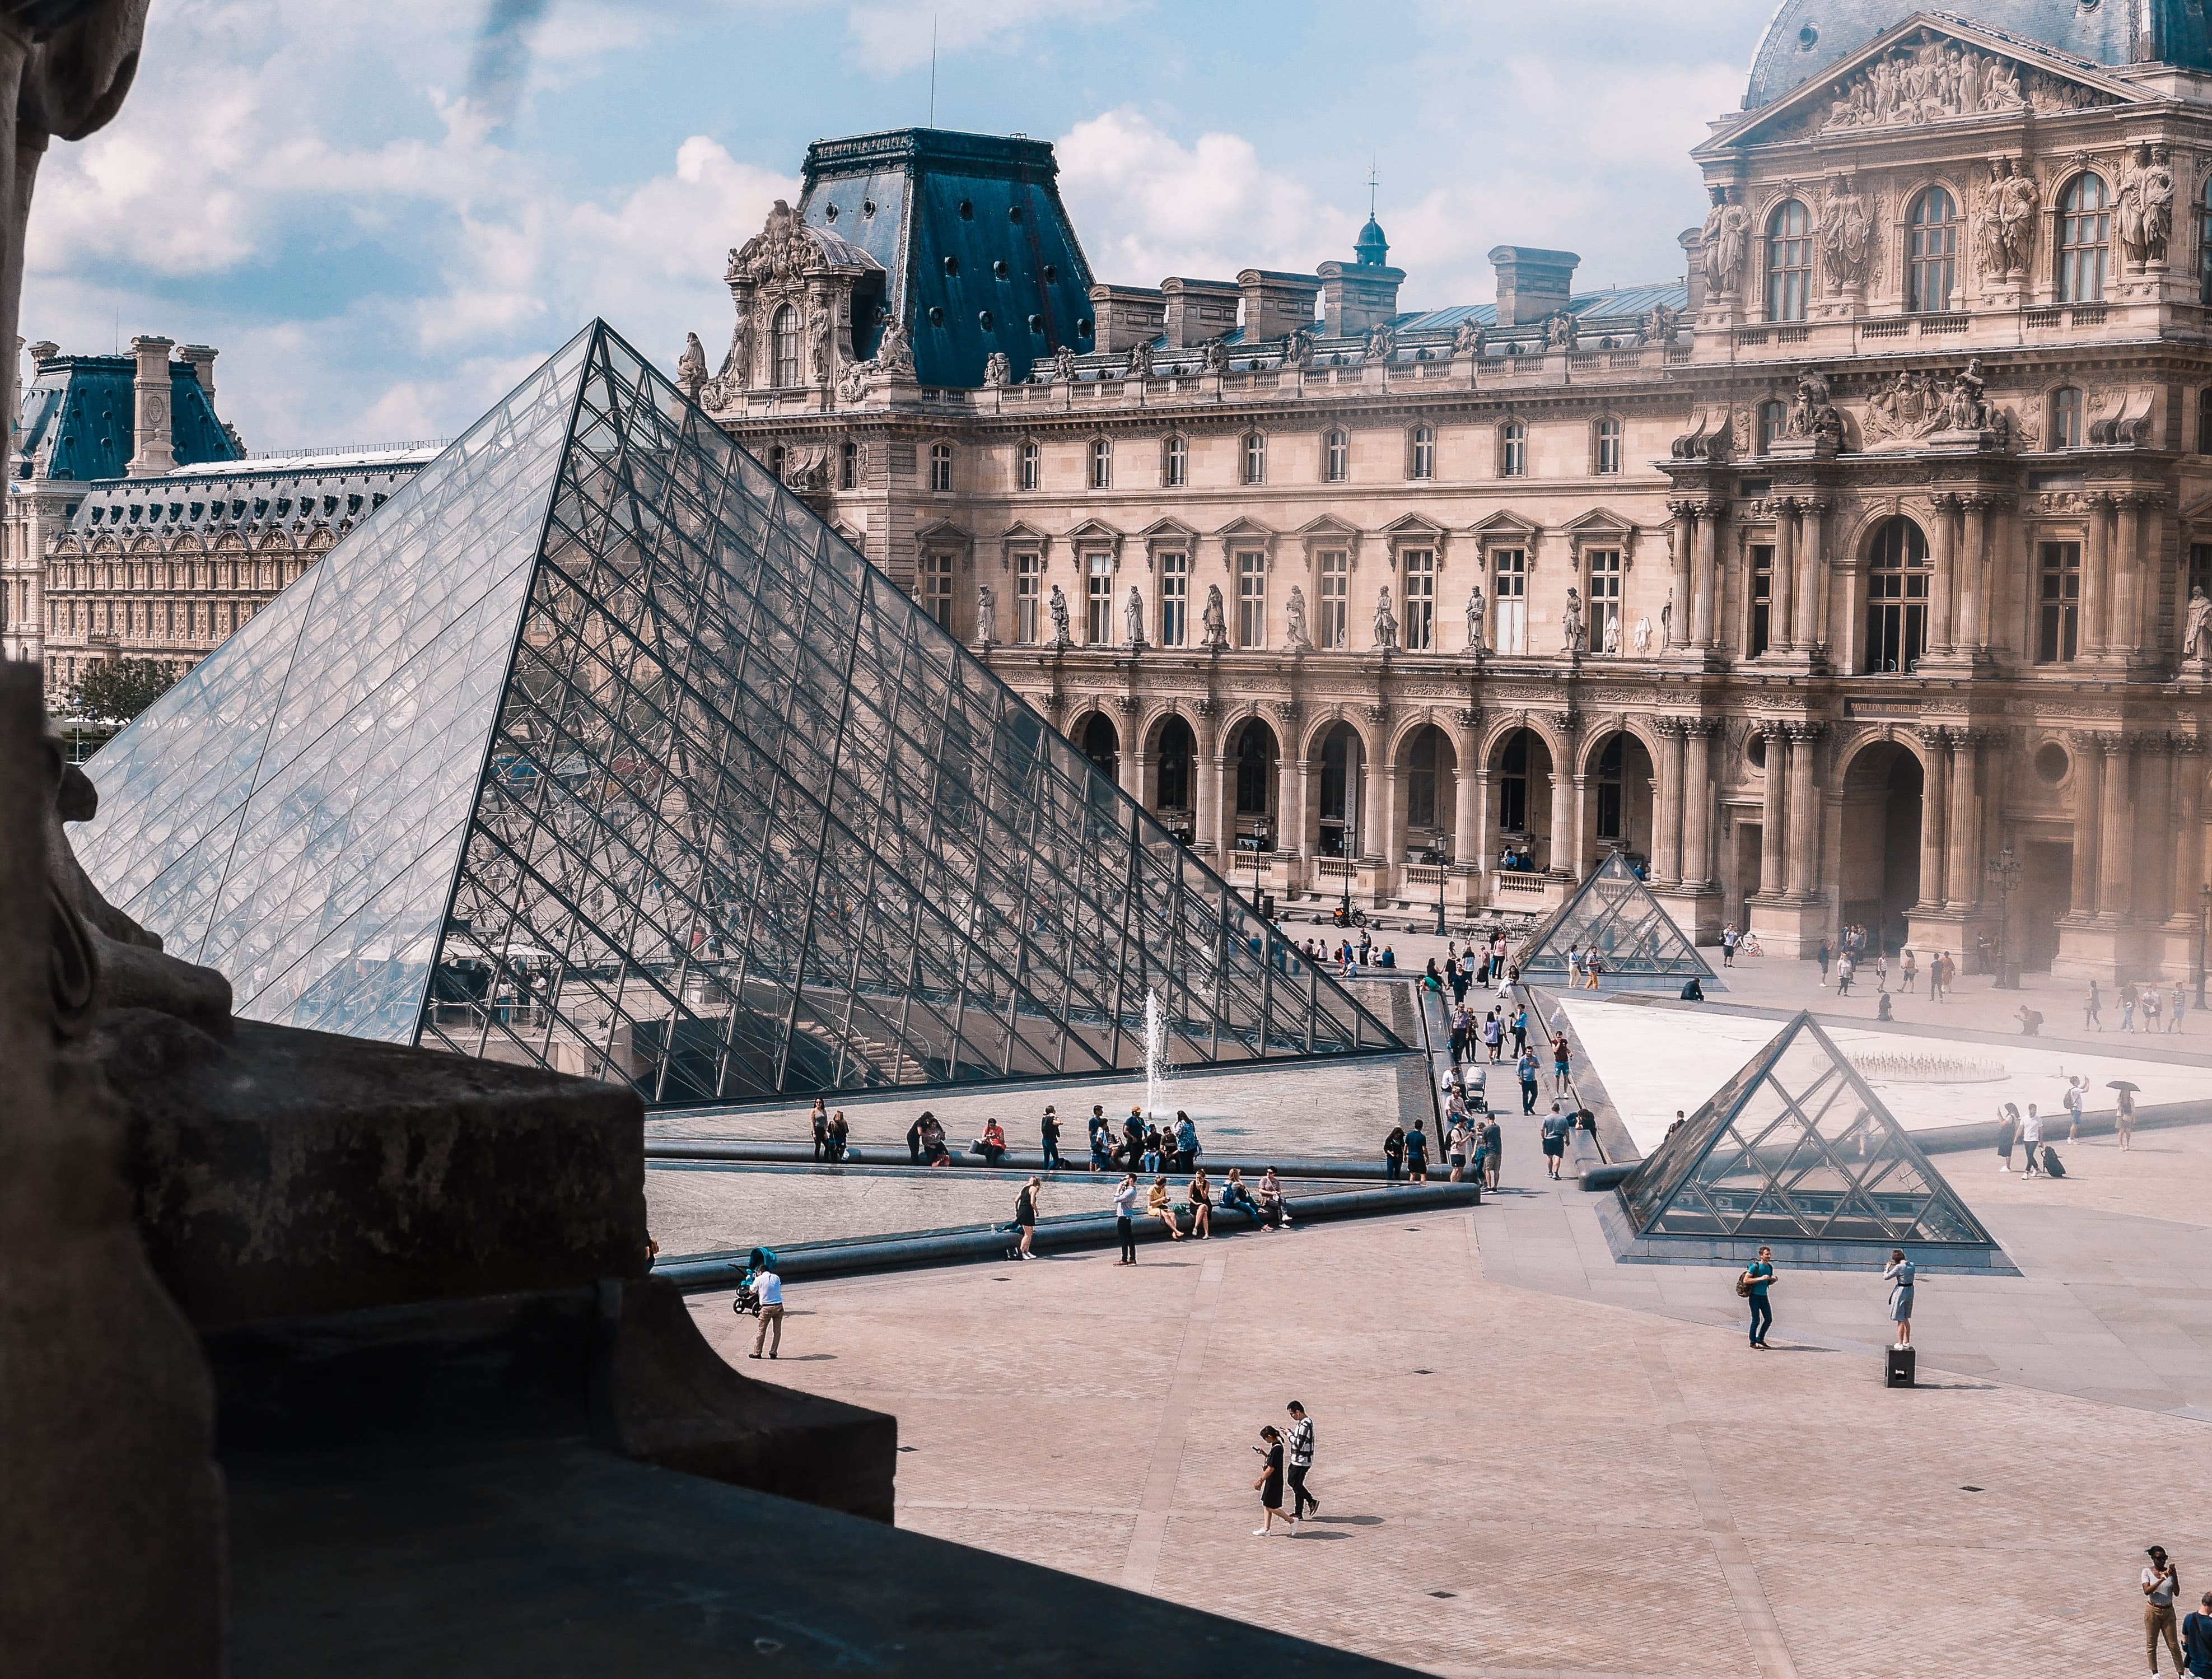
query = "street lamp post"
x=1259 y=850
x=2003 y=869
x=1351 y=851
x=1444 y=868
x=2203 y=917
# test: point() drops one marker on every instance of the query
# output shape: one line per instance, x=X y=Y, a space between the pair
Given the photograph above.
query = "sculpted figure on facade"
x=1908 y=406
x=1667 y=621
x=2005 y=221
x=1477 y=611
x=1063 y=364
x=1573 y=638
x=987 y=615
x=1931 y=81
x=1382 y=343
x=1214 y=356
x=1298 y=349
x=1643 y=641
x=2142 y=208
x=819 y=346
x=1846 y=234
x=1056 y=604
x=1213 y=623
x=1967 y=408
x=1466 y=339
x=1140 y=360
x=2197 y=632
x=692 y=365
x=895 y=354
x=1657 y=324
x=1132 y=617
x=998 y=369
x=1813 y=411
x=1294 y=620
x=1561 y=328
x=1726 y=242
x=1386 y=621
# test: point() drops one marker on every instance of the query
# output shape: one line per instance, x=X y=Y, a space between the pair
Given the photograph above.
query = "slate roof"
x=78 y=415
x=295 y=492
x=1809 y=36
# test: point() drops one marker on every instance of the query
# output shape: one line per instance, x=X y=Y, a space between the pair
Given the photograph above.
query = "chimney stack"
x=1276 y=305
x=150 y=420
x=1532 y=284
x=1198 y=310
x=201 y=360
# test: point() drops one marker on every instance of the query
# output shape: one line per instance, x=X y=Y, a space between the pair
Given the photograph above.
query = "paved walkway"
x=1534 y=1463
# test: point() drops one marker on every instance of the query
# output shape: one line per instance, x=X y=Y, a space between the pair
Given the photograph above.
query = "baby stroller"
x=748 y=1298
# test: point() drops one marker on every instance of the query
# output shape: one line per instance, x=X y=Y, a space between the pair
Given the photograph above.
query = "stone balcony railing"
x=1956 y=331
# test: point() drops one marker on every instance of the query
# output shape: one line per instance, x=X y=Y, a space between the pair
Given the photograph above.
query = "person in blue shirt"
x=2196 y=1639
x=1759 y=1274
x=1417 y=1154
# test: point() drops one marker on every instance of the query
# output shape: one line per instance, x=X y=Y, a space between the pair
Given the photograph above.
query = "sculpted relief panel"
x=1934 y=80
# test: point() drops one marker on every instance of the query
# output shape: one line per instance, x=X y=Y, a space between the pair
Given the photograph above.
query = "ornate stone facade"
x=1818 y=581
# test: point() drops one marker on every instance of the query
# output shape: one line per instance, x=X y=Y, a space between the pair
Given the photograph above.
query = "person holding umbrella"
x=2124 y=1111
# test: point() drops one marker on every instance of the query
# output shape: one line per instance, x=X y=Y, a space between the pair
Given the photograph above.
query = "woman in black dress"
x=1270 y=1486
x=1394 y=1152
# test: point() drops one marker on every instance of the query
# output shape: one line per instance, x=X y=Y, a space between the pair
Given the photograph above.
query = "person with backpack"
x=2075 y=1087
x=1757 y=1277
x=1900 y=1275
x=2197 y=1637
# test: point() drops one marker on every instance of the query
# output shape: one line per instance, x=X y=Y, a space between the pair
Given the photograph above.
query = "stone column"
x=1697 y=802
x=1667 y=818
x=1812 y=578
x=1467 y=790
x=1375 y=817
x=2088 y=803
x=1974 y=575
x=1804 y=808
x=2128 y=572
x=1296 y=840
x=1566 y=838
x=1128 y=760
x=152 y=424
x=1706 y=606
x=2153 y=814
x=1772 y=848
x=1686 y=535
x=1781 y=590
x=1943 y=587
x=2189 y=828
x=2096 y=563
x=1935 y=745
x=1481 y=845
x=1206 y=770
x=1223 y=836
x=2115 y=817
x=1392 y=832
x=1963 y=872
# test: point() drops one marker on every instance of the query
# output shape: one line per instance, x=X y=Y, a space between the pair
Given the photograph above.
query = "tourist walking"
x=2162 y=1583
x=2150 y=1008
x=1881 y=971
x=2197 y=1638
x=2077 y=1090
x=1493 y=1150
x=1821 y=956
x=1025 y=1216
x=1846 y=965
x=1493 y=1036
x=768 y=1289
x=2123 y=1117
x=1394 y=1154
x=1757 y=1277
x=2008 y=1132
x=1417 y=1154
x=2128 y=1006
x=1939 y=974
x=2176 y=1005
x=1898 y=1275
x=1125 y=1217
x=1908 y=970
x=1557 y=1124
x=1561 y=1059
x=819 y=1119
x=1301 y=1445
x=2030 y=1139
x=2093 y=1009
x=1269 y=1486
x=1048 y=1134
x=1527 y=1069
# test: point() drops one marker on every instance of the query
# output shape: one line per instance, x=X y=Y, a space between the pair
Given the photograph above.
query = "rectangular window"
x=1421 y=599
x=940 y=466
x=1424 y=453
x=1335 y=599
x=1251 y=601
x=1178 y=462
x=1098 y=600
x=1102 y=463
x=1513 y=459
x=1336 y=457
x=937 y=588
x=2059 y=601
x=1174 y=600
x=848 y=466
x=1605 y=599
x=1255 y=458
x=1031 y=459
x=1029 y=583
x=1510 y=600
x=1760 y=623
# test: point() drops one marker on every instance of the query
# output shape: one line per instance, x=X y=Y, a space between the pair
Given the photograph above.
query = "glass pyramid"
x=1795 y=1147
x=594 y=748
x=1616 y=912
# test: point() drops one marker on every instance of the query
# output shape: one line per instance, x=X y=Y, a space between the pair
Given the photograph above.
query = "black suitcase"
x=1900 y=1367
x=2051 y=1164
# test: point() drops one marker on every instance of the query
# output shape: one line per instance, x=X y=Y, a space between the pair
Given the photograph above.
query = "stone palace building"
x=1855 y=577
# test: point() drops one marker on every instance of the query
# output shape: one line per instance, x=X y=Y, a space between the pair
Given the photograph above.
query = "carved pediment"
x=785 y=248
x=1928 y=70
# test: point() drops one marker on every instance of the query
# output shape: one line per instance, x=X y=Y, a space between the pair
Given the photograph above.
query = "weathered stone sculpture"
x=1214 y=622
x=1294 y=620
x=1386 y=621
x=1056 y=604
x=1726 y=242
x=987 y=615
x=2197 y=633
x=1476 y=609
x=1132 y=617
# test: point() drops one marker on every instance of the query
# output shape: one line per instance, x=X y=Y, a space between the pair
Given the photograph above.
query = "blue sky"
x=381 y=243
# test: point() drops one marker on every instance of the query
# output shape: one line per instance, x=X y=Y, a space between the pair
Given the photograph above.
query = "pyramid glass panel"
x=595 y=748
x=1795 y=1147
x=1616 y=913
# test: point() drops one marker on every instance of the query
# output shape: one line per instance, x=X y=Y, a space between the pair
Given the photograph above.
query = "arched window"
x=2204 y=246
x=1512 y=450
x=1772 y=417
x=1897 y=597
x=941 y=466
x=1255 y=770
x=1178 y=746
x=1032 y=465
x=2065 y=419
x=1255 y=456
x=783 y=343
x=1178 y=463
x=2204 y=421
x=848 y=465
x=1335 y=458
x=1932 y=252
x=1424 y=452
x=1101 y=463
x=1608 y=445
x=2085 y=231
x=1789 y=261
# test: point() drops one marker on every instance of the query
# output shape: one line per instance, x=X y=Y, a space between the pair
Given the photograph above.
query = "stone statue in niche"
x=998 y=369
x=1477 y=608
x=1294 y=620
x=1056 y=604
x=692 y=365
x=1213 y=623
x=1642 y=639
x=1667 y=621
x=1726 y=242
x=1140 y=360
x=1386 y=621
x=2004 y=221
x=2197 y=632
x=2142 y=207
x=1846 y=234
x=987 y=615
x=1573 y=638
x=817 y=332
x=1132 y=617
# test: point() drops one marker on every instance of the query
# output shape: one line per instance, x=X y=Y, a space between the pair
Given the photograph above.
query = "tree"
x=119 y=689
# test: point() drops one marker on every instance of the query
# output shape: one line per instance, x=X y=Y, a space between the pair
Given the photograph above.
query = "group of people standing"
x=2144 y=1002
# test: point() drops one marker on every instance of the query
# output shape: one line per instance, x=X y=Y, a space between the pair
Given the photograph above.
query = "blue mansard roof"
x=78 y=418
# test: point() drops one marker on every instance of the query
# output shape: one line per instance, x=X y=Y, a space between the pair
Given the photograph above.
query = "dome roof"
x=1371 y=249
x=1807 y=36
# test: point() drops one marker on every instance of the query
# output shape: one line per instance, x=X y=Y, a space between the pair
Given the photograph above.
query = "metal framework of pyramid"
x=594 y=748
x=1797 y=1150
x=1616 y=912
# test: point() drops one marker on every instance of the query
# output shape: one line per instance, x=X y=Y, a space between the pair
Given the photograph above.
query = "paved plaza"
x=1534 y=1462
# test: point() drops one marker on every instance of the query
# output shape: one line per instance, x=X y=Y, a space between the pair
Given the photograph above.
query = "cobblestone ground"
x=1521 y=1478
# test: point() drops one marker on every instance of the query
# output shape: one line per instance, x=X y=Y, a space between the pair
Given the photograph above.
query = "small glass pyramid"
x=595 y=748
x=1616 y=913
x=1795 y=1147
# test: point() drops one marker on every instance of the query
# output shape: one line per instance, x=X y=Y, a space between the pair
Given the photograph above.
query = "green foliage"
x=122 y=688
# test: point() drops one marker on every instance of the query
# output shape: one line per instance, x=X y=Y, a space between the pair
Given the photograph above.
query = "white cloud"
x=889 y=38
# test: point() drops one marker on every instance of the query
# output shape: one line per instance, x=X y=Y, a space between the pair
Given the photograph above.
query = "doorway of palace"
x=1881 y=851
x=1253 y=759
x=1177 y=754
x=1521 y=777
x=1426 y=767
x=1750 y=842
x=1620 y=803
x=2042 y=898
x=1101 y=743
x=1343 y=770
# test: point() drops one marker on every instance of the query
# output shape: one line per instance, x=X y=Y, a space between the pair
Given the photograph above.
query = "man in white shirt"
x=768 y=1288
x=2030 y=1139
